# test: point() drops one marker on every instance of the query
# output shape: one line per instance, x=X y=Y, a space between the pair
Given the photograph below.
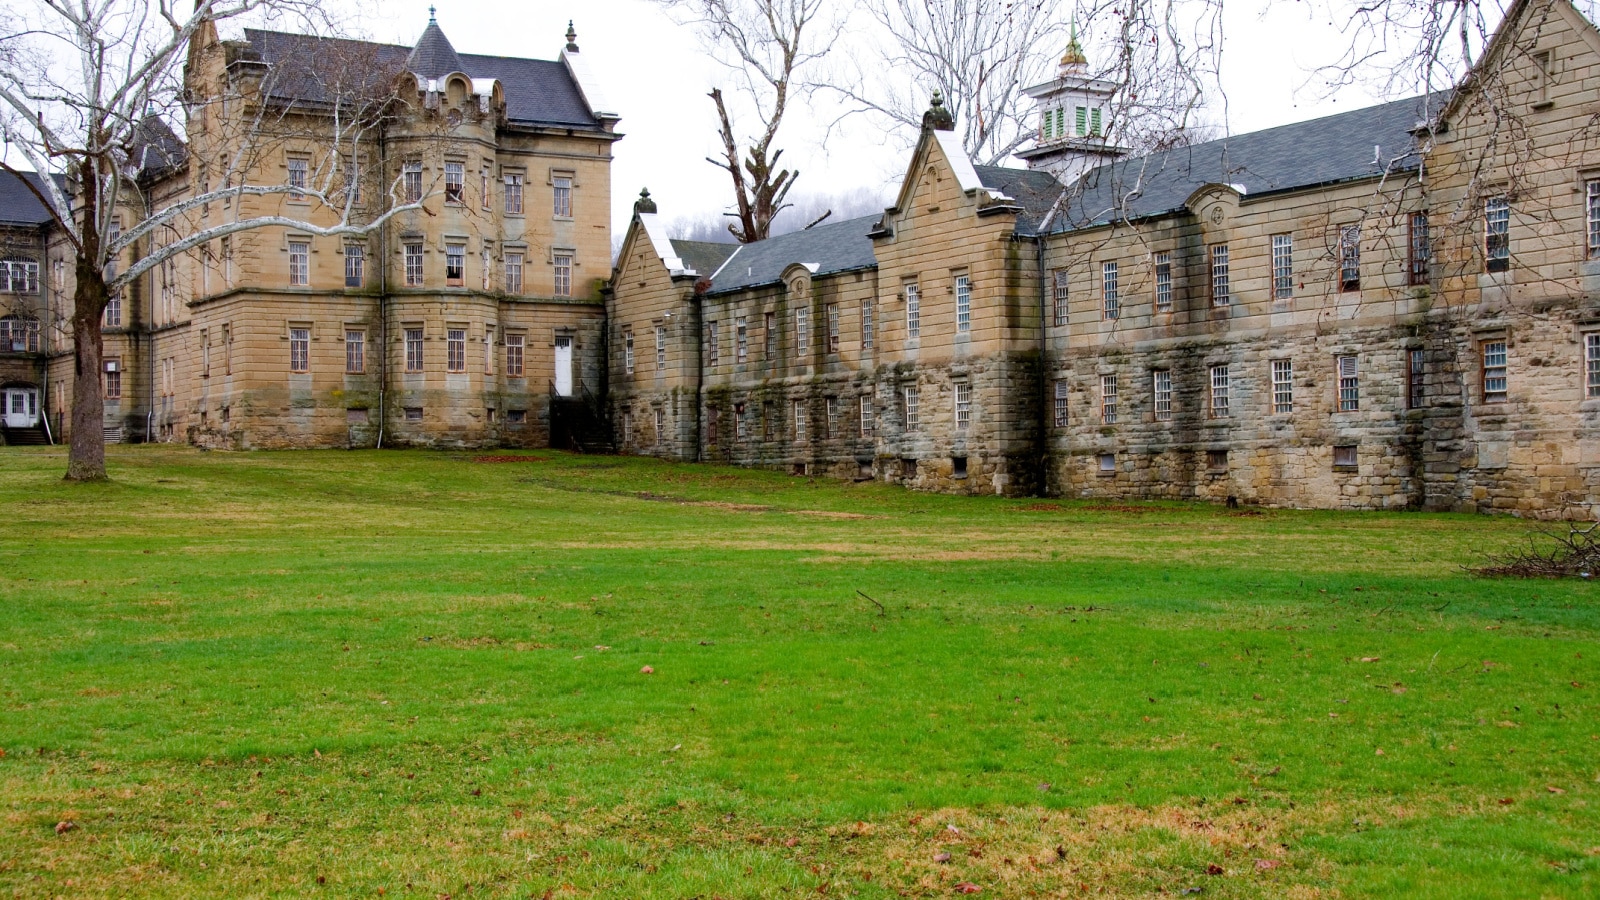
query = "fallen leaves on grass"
x=647 y=670
x=66 y=825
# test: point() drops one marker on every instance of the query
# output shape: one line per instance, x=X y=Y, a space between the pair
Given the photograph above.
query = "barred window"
x=1062 y=399
x=455 y=182
x=113 y=373
x=1593 y=216
x=802 y=330
x=411 y=181
x=1220 y=408
x=1108 y=399
x=513 y=273
x=513 y=194
x=910 y=399
x=515 y=343
x=769 y=337
x=869 y=416
x=355 y=351
x=455 y=350
x=413 y=349
x=713 y=353
x=1110 y=302
x=741 y=340
x=1591 y=363
x=802 y=417
x=741 y=422
x=661 y=348
x=1497 y=234
x=1060 y=280
x=1349 y=385
x=19 y=335
x=1421 y=249
x=963 y=304
x=299 y=167
x=830 y=417
x=1282 y=386
x=866 y=325
x=413 y=253
x=299 y=263
x=1495 y=380
x=455 y=265
x=1415 y=385
x=1220 y=292
x=1282 y=266
x=299 y=349
x=1163 y=282
x=913 y=311
x=1350 y=258
x=355 y=265
x=563 y=275
x=963 y=404
x=563 y=196
x=1161 y=393
x=20 y=275
x=833 y=327
x=627 y=352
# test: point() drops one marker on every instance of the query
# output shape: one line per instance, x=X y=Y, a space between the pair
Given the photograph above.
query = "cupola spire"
x=433 y=56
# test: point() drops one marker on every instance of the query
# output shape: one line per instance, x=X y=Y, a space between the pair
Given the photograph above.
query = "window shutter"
x=1083 y=120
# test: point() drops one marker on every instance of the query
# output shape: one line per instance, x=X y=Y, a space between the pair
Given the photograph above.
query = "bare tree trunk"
x=86 y=453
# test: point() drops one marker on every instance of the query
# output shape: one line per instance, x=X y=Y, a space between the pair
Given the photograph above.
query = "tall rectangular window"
x=1110 y=301
x=830 y=417
x=1161 y=393
x=1062 y=399
x=455 y=182
x=1592 y=217
x=1283 y=386
x=1349 y=385
x=355 y=265
x=712 y=349
x=869 y=417
x=299 y=349
x=801 y=416
x=352 y=180
x=413 y=349
x=741 y=422
x=1497 y=234
x=963 y=304
x=1163 y=282
x=488 y=348
x=513 y=194
x=113 y=385
x=1059 y=295
x=832 y=312
x=413 y=253
x=963 y=405
x=769 y=338
x=910 y=399
x=1495 y=381
x=513 y=273
x=1221 y=292
x=1421 y=250
x=866 y=325
x=1591 y=363
x=661 y=348
x=411 y=181
x=299 y=263
x=1416 y=385
x=1219 y=392
x=455 y=350
x=1350 y=258
x=516 y=344
x=1282 y=266
x=486 y=197
x=1108 y=399
x=455 y=265
x=802 y=330
x=913 y=311
x=627 y=351
x=205 y=354
x=299 y=169
x=563 y=196
x=563 y=279
x=355 y=351
x=661 y=424
x=741 y=341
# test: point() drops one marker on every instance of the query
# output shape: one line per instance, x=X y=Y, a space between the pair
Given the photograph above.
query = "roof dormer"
x=1073 y=114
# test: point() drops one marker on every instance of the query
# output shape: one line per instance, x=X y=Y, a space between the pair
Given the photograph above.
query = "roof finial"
x=433 y=18
x=644 y=204
x=937 y=118
x=1074 y=58
x=572 y=38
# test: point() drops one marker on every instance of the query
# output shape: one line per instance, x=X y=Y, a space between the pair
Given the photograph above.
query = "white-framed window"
x=802 y=330
x=769 y=336
x=1062 y=400
x=455 y=182
x=1110 y=300
x=455 y=265
x=299 y=263
x=913 y=311
x=712 y=348
x=413 y=350
x=20 y=275
x=1496 y=380
x=1283 y=386
x=411 y=180
x=355 y=351
x=1349 y=384
x=830 y=417
x=513 y=273
x=455 y=350
x=413 y=253
x=741 y=422
x=355 y=265
x=832 y=314
x=1161 y=393
x=910 y=398
x=516 y=344
x=1350 y=258
x=1282 y=266
x=963 y=405
x=1220 y=390
x=19 y=334
x=1163 y=282
x=866 y=325
x=488 y=348
x=113 y=381
x=112 y=317
x=513 y=194
x=562 y=188
x=299 y=169
x=661 y=348
x=1497 y=234
x=801 y=420
x=627 y=351
x=869 y=416
x=1591 y=363
x=483 y=265
x=1221 y=291
x=1108 y=399
x=1059 y=281
x=485 y=195
x=741 y=341
x=563 y=274
x=299 y=349
x=1592 y=216
x=963 y=304
x=661 y=424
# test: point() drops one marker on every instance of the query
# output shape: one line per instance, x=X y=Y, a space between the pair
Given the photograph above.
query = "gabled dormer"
x=1072 y=113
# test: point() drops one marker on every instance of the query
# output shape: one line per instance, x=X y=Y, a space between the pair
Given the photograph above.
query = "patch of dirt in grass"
x=509 y=459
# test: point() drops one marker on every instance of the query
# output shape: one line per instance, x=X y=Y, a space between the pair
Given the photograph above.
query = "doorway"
x=22 y=407
x=564 y=366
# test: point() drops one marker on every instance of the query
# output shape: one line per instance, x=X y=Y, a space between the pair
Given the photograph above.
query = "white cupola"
x=1071 y=113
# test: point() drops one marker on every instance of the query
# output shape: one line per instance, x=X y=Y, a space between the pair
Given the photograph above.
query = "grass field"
x=421 y=675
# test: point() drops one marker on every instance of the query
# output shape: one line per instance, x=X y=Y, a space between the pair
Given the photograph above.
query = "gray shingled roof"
x=1322 y=151
x=537 y=91
x=839 y=247
x=1037 y=191
x=434 y=57
x=157 y=150
x=18 y=205
x=705 y=257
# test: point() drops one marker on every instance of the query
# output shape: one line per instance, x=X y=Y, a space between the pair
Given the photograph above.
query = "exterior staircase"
x=24 y=437
x=578 y=423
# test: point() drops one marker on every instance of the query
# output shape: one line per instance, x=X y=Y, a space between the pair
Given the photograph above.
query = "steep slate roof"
x=1322 y=151
x=705 y=257
x=434 y=57
x=839 y=247
x=537 y=91
x=156 y=149
x=1036 y=191
x=18 y=205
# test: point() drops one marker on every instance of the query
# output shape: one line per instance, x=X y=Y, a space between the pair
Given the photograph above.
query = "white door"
x=22 y=407
x=564 y=366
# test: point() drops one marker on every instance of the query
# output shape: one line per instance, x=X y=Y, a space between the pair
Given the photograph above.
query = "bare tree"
x=764 y=44
x=85 y=89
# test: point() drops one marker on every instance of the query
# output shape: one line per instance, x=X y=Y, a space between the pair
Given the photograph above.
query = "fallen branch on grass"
x=1549 y=554
x=882 y=613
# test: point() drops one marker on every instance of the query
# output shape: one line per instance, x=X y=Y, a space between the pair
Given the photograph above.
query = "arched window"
x=19 y=335
x=19 y=275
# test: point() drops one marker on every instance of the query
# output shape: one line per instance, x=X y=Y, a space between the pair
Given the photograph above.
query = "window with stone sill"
x=455 y=183
x=869 y=416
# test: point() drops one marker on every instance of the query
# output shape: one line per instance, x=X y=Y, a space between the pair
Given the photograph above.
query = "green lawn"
x=419 y=675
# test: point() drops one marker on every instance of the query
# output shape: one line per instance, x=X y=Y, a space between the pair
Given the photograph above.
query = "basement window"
x=958 y=466
x=1217 y=459
x=413 y=414
x=1108 y=465
x=1344 y=458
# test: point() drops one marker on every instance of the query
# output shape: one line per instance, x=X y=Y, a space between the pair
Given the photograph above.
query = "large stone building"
x=451 y=324
x=1393 y=307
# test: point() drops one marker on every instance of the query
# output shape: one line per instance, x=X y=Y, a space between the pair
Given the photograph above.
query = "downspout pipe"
x=697 y=321
x=383 y=298
x=1044 y=414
